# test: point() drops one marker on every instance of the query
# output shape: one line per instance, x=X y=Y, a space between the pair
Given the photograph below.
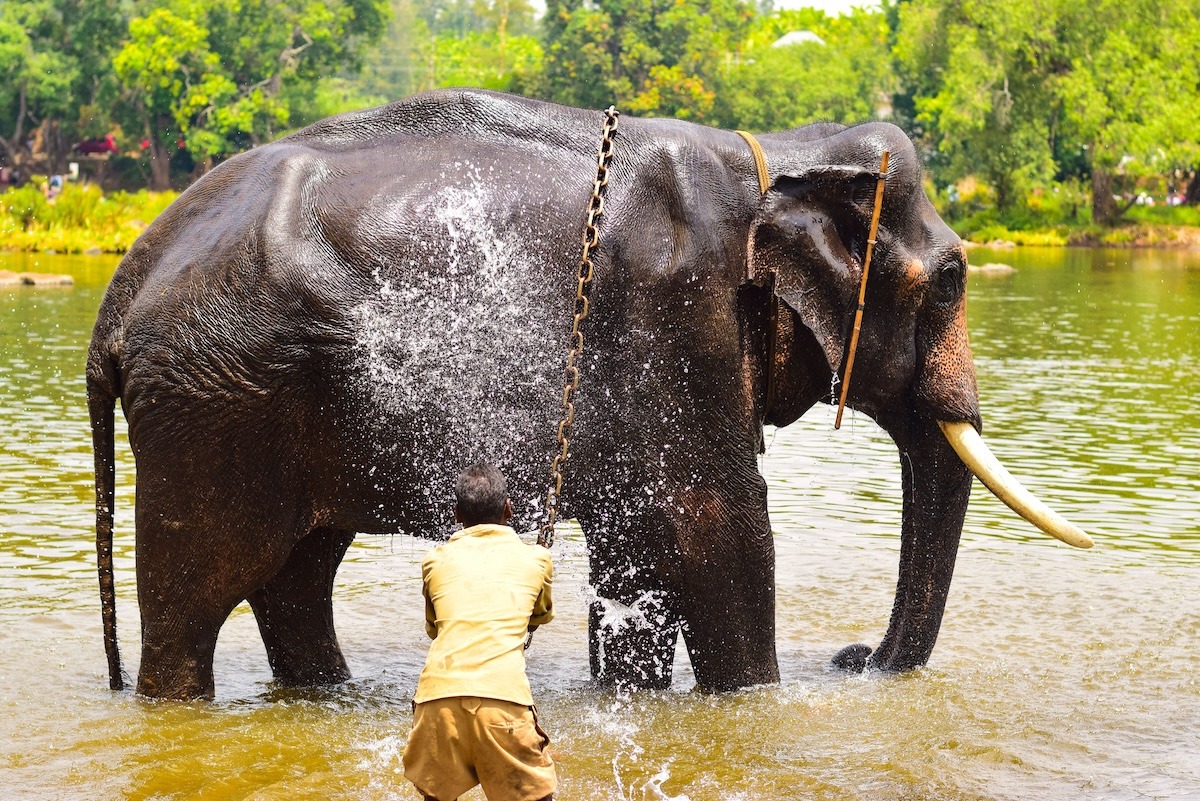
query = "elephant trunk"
x=937 y=487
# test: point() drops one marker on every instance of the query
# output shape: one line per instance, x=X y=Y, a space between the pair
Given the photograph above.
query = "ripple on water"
x=1058 y=674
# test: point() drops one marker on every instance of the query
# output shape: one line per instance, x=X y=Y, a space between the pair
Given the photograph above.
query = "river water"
x=1059 y=674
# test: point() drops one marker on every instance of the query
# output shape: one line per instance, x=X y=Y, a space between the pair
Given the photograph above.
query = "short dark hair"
x=480 y=495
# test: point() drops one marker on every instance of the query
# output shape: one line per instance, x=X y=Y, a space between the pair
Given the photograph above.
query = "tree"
x=211 y=74
x=1016 y=90
x=477 y=43
x=1132 y=94
x=842 y=73
x=54 y=56
x=660 y=57
x=172 y=81
x=979 y=76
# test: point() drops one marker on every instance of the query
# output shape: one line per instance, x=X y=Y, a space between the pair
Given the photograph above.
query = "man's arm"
x=543 y=607
x=430 y=613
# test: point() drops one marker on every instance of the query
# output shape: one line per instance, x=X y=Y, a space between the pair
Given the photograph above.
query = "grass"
x=81 y=219
x=1130 y=233
x=1142 y=226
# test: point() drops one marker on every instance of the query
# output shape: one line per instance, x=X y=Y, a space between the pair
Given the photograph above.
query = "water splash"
x=461 y=345
x=617 y=722
x=648 y=612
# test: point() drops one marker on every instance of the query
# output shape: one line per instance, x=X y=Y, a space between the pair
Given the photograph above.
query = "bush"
x=1165 y=215
x=80 y=218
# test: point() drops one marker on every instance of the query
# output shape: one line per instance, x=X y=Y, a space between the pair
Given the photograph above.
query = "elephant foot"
x=632 y=647
x=310 y=670
x=852 y=658
x=176 y=671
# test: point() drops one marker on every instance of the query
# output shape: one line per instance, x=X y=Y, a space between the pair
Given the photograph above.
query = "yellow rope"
x=760 y=160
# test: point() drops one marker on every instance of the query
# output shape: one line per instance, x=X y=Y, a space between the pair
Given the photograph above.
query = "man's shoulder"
x=511 y=546
x=435 y=553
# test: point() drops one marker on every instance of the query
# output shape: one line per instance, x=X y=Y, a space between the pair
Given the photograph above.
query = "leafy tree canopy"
x=655 y=57
x=211 y=72
x=841 y=73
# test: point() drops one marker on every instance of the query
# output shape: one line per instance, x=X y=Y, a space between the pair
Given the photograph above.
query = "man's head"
x=481 y=496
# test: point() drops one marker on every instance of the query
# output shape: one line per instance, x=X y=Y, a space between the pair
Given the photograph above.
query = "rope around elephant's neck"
x=862 y=287
x=760 y=161
x=764 y=183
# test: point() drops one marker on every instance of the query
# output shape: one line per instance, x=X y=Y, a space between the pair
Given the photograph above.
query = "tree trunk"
x=160 y=165
x=1192 y=196
x=160 y=158
x=57 y=150
x=201 y=168
x=1104 y=206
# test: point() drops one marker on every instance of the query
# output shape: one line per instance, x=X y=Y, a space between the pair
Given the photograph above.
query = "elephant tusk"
x=976 y=455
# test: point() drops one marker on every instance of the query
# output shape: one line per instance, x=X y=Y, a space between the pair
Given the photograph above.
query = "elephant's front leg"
x=700 y=558
x=725 y=573
x=632 y=622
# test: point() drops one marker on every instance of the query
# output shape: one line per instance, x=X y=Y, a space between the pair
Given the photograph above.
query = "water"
x=1059 y=674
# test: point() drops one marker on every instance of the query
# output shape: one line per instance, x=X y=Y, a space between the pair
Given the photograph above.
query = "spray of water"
x=461 y=344
x=618 y=722
x=648 y=612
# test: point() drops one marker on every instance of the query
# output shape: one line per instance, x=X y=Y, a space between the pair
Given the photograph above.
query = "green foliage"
x=54 y=61
x=212 y=71
x=844 y=77
x=79 y=219
x=979 y=74
x=1028 y=112
x=481 y=59
x=1166 y=215
x=654 y=58
x=1016 y=91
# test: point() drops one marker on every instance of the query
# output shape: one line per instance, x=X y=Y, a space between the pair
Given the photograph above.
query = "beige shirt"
x=483 y=589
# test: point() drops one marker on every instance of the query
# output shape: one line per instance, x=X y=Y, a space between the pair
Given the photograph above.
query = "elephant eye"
x=948 y=282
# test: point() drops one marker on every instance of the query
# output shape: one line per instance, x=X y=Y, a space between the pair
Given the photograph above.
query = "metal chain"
x=591 y=239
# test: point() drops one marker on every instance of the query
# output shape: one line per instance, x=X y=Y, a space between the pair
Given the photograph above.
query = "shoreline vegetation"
x=81 y=219
x=84 y=220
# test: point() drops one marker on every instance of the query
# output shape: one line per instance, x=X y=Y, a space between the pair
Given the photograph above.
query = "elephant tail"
x=102 y=398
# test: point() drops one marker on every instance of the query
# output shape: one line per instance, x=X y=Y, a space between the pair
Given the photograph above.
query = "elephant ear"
x=799 y=237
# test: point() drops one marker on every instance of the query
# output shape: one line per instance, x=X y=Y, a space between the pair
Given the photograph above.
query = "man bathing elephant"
x=312 y=337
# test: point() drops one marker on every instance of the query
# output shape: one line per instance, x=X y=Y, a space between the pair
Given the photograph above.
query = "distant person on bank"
x=473 y=715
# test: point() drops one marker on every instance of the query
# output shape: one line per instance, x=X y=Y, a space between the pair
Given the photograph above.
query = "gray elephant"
x=314 y=337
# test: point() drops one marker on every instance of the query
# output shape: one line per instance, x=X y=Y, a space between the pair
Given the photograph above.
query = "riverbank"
x=83 y=220
x=1129 y=235
x=79 y=220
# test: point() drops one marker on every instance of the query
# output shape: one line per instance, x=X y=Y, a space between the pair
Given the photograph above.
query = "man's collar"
x=483 y=530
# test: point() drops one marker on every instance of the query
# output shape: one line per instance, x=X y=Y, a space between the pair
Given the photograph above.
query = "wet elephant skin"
x=315 y=337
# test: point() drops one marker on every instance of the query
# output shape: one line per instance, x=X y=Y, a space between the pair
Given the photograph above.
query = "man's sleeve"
x=430 y=613
x=543 y=607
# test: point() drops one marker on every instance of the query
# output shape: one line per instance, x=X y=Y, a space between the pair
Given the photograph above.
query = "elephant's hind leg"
x=189 y=580
x=295 y=612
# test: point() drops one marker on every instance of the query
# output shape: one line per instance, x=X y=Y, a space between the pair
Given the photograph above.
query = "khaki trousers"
x=457 y=743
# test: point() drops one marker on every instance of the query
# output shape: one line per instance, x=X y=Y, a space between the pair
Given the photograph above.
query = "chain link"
x=591 y=239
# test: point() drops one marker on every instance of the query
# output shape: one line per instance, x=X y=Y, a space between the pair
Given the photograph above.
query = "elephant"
x=316 y=336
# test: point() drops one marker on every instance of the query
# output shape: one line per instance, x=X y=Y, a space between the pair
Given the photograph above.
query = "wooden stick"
x=862 y=287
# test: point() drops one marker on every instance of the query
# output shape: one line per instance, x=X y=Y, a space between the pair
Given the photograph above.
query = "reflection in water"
x=1058 y=674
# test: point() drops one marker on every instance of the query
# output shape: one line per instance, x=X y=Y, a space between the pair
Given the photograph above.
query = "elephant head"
x=913 y=372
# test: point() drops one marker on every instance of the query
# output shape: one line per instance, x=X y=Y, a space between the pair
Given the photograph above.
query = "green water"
x=1059 y=674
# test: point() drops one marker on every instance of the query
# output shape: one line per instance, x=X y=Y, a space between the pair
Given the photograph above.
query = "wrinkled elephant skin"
x=315 y=337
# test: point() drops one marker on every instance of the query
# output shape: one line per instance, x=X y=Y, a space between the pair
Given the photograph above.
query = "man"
x=473 y=716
